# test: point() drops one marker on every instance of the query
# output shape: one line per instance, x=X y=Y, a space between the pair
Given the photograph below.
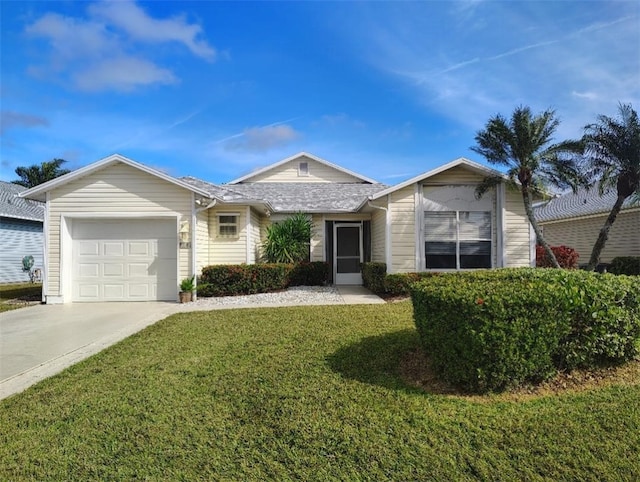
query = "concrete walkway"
x=42 y=340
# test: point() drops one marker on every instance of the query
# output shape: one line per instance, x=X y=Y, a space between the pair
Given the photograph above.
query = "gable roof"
x=582 y=203
x=461 y=161
x=290 y=197
x=13 y=206
x=299 y=155
x=38 y=192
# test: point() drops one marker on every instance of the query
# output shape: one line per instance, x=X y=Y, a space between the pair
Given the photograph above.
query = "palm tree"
x=523 y=146
x=37 y=174
x=613 y=153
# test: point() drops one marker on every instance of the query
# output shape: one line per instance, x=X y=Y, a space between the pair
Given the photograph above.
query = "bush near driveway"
x=491 y=330
x=245 y=279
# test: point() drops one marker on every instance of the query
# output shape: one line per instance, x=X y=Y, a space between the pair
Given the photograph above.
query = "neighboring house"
x=120 y=230
x=575 y=220
x=20 y=233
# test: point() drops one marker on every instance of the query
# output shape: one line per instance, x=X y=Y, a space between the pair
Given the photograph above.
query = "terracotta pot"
x=185 y=296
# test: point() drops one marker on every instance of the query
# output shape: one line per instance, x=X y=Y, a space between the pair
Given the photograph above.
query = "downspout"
x=194 y=220
x=387 y=233
x=45 y=248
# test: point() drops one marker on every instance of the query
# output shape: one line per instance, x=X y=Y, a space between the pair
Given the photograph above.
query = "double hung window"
x=457 y=239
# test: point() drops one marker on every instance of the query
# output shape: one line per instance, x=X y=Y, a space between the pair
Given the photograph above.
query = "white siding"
x=403 y=230
x=228 y=250
x=256 y=240
x=378 y=235
x=288 y=172
x=202 y=241
x=581 y=234
x=517 y=247
x=117 y=189
x=455 y=175
x=317 y=238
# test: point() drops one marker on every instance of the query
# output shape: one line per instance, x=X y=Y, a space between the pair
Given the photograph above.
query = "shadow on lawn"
x=376 y=359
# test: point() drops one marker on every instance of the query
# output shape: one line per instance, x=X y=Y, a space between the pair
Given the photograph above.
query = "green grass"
x=305 y=393
x=20 y=291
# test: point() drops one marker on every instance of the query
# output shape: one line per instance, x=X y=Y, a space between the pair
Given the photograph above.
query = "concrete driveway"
x=42 y=340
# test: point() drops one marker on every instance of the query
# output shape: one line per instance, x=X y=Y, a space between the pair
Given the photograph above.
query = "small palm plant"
x=288 y=241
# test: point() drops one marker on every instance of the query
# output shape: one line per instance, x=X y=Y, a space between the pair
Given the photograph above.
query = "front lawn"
x=307 y=393
x=18 y=295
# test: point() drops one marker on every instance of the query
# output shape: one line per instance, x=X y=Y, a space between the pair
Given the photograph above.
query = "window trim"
x=235 y=224
x=303 y=172
x=458 y=241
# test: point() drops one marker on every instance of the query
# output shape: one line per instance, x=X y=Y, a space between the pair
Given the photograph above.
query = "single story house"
x=119 y=230
x=575 y=220
x=20 y=233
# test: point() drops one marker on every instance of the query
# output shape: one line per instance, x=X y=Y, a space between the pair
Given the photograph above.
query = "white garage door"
x=124 y=260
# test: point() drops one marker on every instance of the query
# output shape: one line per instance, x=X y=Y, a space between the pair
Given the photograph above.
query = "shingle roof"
x=12 y=206
x=583 y=203
x=295 y=196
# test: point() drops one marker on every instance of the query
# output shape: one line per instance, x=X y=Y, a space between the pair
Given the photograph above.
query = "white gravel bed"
x=298 y=295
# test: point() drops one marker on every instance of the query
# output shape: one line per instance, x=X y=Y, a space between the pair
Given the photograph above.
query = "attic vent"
x=303 y=169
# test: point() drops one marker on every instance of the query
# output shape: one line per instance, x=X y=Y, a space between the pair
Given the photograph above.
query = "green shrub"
x=629 y=265
x=309 y=274
x=485 y=334
x=237 y=279
x=605 y=320
x=489 y=330
x=373 y=276
x=288 y=241
x=399 y=284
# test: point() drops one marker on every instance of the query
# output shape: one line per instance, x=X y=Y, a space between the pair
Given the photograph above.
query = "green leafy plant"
x=187 y=284
x=288 y=241
x=625 y=265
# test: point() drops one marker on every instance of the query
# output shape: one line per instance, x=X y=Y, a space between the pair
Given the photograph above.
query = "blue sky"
x=217 y=89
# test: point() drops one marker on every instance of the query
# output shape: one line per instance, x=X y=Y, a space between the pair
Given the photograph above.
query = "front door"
x=347 y=239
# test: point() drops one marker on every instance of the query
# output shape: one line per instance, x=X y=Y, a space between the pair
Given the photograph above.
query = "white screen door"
x=347 y=250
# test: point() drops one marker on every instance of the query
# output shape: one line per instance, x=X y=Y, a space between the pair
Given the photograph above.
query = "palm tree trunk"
x=604 y=233
x=528 y=208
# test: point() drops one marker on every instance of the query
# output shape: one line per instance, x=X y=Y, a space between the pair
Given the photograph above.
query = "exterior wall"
x=581 y=234
x=317 y=238
x=256 y=240
x=225 y=250
x=455 y=175
x=19 y=238
x=116 y=191
x=517 y=237
x=202 y=241
x=378 y=235
x=403 y=230
x=288 y=172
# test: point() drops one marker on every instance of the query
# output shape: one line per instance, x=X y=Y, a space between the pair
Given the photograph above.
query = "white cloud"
x=105 y=49
x=140 y=26
x=585 y=95
x=261 y=139
x=122 y=74
x=10 y=119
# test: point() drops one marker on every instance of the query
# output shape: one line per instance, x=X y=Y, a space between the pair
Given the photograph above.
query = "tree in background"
x=37 y=174
x=523 y=146
x=612 y=148
x=288 y=241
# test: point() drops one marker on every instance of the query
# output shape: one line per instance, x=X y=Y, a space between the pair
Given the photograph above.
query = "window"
x=228 y=225
x=303 y=169
x=457 y=239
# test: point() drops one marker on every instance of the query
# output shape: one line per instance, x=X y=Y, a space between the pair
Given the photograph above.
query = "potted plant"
x=186 y=289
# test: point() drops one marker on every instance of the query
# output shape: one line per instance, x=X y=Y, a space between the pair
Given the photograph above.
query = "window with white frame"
x=457 y=239
x=228 y=225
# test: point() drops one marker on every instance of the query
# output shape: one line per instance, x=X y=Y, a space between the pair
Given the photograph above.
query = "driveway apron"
x=42 y=340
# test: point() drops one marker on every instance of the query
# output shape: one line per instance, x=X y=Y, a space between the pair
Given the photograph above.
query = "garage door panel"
x=124 y=260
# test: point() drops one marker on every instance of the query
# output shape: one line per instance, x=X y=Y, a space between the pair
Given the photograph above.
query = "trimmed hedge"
x=629 y=265
x=244 y=279
x=491 y=330
x=567 y=257
x=373 y=276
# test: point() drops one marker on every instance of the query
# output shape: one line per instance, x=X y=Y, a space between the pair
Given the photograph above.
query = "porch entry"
x=347 y=246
